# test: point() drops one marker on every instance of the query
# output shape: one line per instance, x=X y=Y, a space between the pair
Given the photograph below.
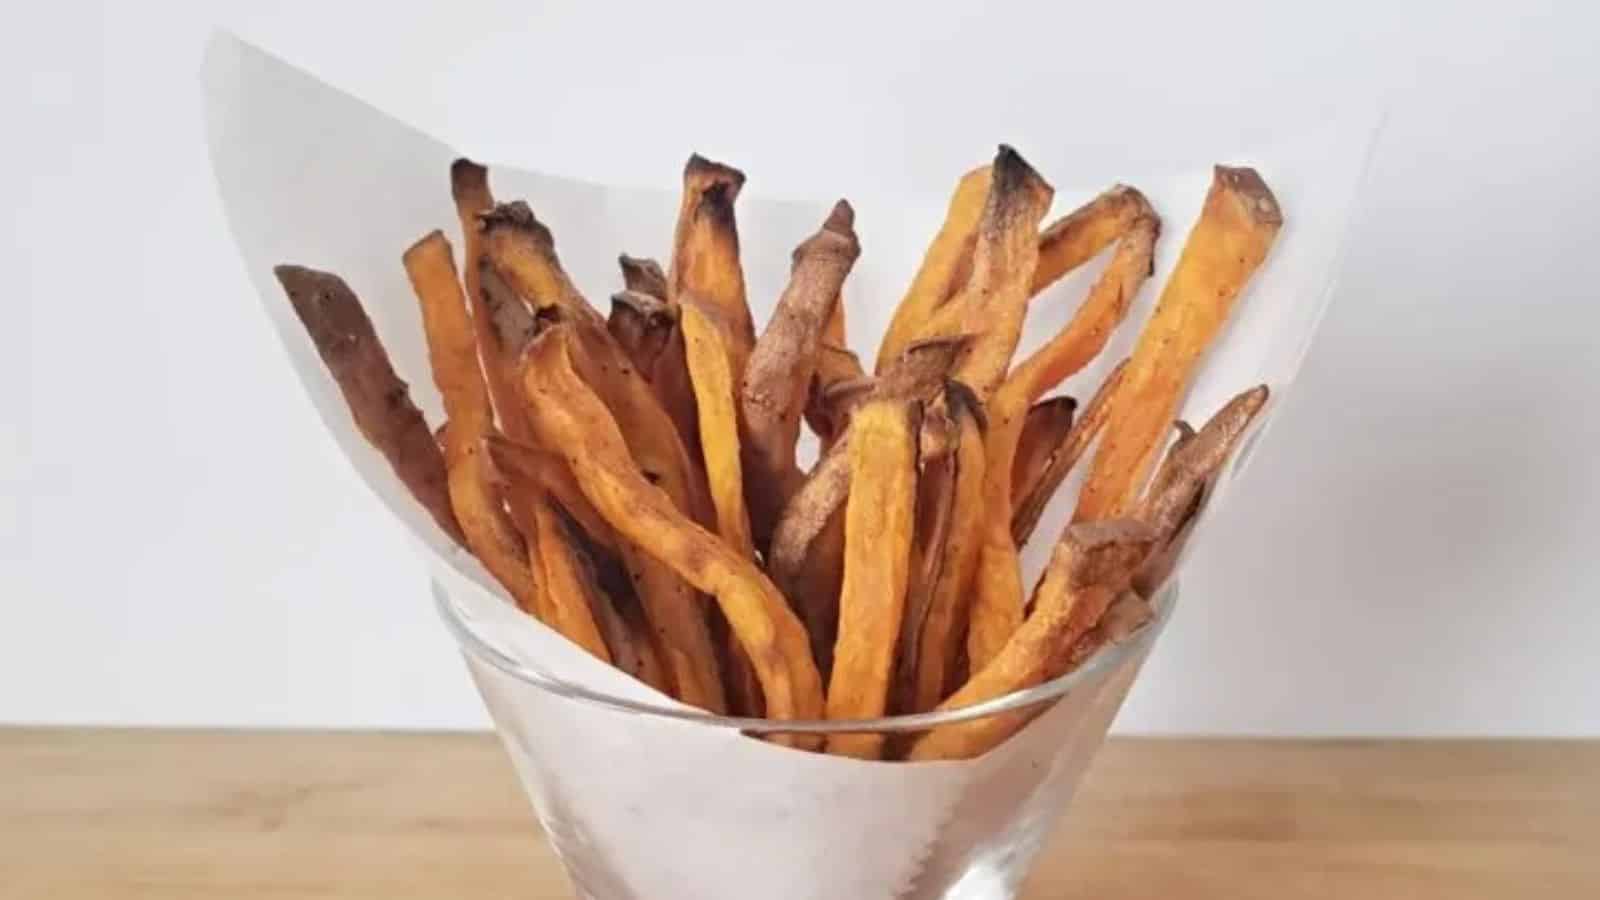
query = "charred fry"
x=1043 y=429
x=705 y=251
x=379 y=401
x=773 y=393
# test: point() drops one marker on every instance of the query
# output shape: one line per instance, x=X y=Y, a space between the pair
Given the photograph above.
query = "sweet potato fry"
x=943 y=631
x=1043 y=429
x=642 y=325
x=379 y=401
x=1077 y=237
x=572 y=417
x=1068 y=243
x=1128 y=613
x=998 y=602
x=995 y=298
x=711 y=373
x=568 y=577
x=469 y=186
x=935 y=512
x=836 y=366
x=452 y=345
x=647 y=330
x=879 y=526
x=643 y=275
x=1236 y=229
x=527 y=474
x=453 y=356
x=705 y=251
x=1178 y=493
x=530 y=472
x=773 y=392
x=1091 y=566
x=1090 y=420
x=936 y=280
x=491 y=536
x=806 y=554
x=522 y=251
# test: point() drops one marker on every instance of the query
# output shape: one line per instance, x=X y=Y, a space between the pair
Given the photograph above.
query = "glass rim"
x=1107 y=658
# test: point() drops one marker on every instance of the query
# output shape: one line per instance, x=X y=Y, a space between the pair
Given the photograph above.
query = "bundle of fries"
x=632 y=480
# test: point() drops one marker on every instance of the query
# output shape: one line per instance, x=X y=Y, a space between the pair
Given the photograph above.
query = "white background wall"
x=1415 y=553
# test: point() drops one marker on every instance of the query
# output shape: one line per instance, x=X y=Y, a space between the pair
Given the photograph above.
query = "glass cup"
x=657 y=800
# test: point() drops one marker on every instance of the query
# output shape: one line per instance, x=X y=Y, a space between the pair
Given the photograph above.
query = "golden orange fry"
x=936 y=279
x=1043 y=429
x=879 y=526
x=1237 y=227
x=705 y=251
x=643 y=275
x=380 y=403
x=777 y=378
x=1080 y=235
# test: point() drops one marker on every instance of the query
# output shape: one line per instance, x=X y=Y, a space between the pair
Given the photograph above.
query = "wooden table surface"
x=289 y=816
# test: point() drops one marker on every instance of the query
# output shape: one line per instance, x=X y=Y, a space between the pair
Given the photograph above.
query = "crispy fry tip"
x=1258 y=198
x=698 y=168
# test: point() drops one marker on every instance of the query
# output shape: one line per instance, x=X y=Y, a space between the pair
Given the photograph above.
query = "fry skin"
x=711 y=373
x=995 y=298
x=943 y=630
x=705 y=251
x=777 y=378
x=1237 y=227
x=1068 y=243
x=1080 y=235
x=453 y=356
x=879 y=526
x=836 y=365
x=379 y=401
x=572 y=417
x=643 y=275
x=491 y=536
x=1178 y=493
x=806 y=554
x=1090 y=567
x=939 y=277
x=469 y=187
x=521 y=250
x=1043 y=429
x=1091 y=419
x=571 y=585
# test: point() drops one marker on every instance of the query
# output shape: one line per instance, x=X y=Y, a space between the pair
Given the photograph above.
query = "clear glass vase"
x=649 y=799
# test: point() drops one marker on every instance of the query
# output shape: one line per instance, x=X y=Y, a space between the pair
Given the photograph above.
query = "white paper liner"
x=312 y=176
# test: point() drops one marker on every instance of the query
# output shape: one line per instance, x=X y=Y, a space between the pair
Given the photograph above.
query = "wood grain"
x=292 y=816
